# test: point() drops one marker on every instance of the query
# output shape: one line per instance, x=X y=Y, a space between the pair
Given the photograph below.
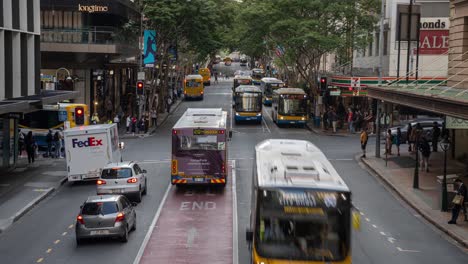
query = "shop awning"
x=31 y=103
x=438 y=99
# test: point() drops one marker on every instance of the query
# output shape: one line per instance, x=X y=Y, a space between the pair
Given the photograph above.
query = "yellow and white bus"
x=206 y=74
x=268 y=85
x=193 y=86
x=289 y=106
x=301 y=210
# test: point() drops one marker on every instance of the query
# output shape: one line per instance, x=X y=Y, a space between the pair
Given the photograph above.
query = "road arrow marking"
x=191 y=237
x=391 y=239
x=407 y=250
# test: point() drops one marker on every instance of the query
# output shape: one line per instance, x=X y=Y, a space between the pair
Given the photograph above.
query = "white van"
x=88 y=149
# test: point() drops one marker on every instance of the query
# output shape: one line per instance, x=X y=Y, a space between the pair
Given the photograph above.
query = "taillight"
x=101 y=182
x=174 y=167
x=201 y=92
x=221 y=132
x=132 y=180
x=223 y=169
x=120 y=217
x=79 y=219
x=174 y=132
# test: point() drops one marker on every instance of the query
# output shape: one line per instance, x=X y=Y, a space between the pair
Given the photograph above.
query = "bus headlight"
x=259 y=114
x=281 y=117
x=303 y=118
x=237 y=114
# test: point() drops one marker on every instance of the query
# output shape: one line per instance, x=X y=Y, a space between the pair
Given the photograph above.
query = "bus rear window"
x=202 y=142
x=117 y=173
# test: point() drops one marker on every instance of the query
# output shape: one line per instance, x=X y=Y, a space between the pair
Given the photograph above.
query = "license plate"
x=100 y=232
x=199 y=179
x=117 y=191
x=292 y=122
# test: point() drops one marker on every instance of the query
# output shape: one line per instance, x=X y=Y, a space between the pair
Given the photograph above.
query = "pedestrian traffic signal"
x=323 y=83
x=140 y=87
x=79 y=116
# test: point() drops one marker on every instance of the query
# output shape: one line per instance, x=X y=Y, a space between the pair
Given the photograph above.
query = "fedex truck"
x=89 y=148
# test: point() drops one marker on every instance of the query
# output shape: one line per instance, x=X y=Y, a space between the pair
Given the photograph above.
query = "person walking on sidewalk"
x=134 y=124
x=388 y=142
x=141 y=125
x=21 y=144
x=128 y=122
x=30 y=147
x=364 y=138
x=332 y=117
x=154 y=117
x=49 y=139
x=350 y=118
x=461 y=190
x=146 y=123
x=435 y=136
x=58 y=144
x=425 y=150
x=409 y=134
x=397 y=140
x=95 y=119
x=117 y=121
x=168 y=104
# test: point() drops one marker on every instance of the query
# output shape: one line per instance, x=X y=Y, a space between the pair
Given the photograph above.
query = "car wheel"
x=138 y=196
x=146 y=187
x=134 y=224
x=124 y=238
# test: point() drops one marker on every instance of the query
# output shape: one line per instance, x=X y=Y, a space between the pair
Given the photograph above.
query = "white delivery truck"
x=89 y=148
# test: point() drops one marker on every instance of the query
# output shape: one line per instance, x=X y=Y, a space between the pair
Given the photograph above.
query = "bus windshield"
x=248 y=102
x=192 y=84
x=293 y=105
x=301 y=231
x=269 y=87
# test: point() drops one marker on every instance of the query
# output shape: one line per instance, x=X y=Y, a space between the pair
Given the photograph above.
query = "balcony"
x=107 y=40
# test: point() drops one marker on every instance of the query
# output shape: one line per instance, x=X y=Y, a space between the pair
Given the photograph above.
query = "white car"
x=126 y=178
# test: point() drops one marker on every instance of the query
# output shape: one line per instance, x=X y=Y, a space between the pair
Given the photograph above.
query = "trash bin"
x=317 y=121
x=450 y=188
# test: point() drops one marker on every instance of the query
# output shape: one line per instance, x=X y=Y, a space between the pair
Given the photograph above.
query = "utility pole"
x=381 y=33
x=140 y=98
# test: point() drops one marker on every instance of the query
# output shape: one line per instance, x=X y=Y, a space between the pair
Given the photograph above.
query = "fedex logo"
x=91 y=142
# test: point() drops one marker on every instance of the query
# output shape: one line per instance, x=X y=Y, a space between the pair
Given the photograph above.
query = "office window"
x=370 y=45
x=377 y=43
x=30 y=17
x=1 y=13
x=15 y=14
x=385 y=43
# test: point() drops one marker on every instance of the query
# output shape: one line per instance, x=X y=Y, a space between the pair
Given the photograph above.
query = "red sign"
x=433 y=42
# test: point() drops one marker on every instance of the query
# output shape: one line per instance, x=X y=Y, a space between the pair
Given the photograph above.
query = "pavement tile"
x=426 y=200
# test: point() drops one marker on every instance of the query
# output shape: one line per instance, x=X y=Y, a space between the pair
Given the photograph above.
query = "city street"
x=390 y=232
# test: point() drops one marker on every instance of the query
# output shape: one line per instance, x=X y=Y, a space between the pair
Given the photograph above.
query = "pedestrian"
x=21 y=144
x=134 y=124
x=109 y=108
x=49 y=141
x=364 y=138
x=397 y=140
x=146 y=123
x=425 y=151
x=350 y=118
x=128 y=122
x=332 y=117
x=435 y=136
x=216 y=78
x=95 y=119
x=358 y=121
x=117 y=120
x=168 y=104
x=458 y=201
x=369 y=118
x=325 y=119
x=141 y=125
x=154 y=117
x=409 y=131
x=58 y=144
x=388 y=142
x=30 y=147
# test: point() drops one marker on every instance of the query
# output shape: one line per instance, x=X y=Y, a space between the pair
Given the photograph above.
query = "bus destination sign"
x=200 y=132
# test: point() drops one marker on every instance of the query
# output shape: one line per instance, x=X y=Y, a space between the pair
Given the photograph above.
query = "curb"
x=426 y=216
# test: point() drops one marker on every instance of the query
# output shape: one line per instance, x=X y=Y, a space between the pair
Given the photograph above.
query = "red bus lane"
x=195 y=225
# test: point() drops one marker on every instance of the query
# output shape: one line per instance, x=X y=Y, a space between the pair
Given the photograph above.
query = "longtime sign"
x=456 y=123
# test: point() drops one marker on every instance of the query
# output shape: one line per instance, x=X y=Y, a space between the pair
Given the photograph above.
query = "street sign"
x=355 y=82
x=335 y=93
x=141 y=76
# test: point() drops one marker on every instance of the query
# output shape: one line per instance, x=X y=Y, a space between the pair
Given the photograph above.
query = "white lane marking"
x=341 y=159
x=382 y=233
x=391 y=239
x=361 y=213
x=269 y=116
x=367 y=219
x=266 y=125
x=4 y=184
x=191 y=234
x=235 y=249
x=64 y=233
x=153 y=224
x=407 y=250
x=374 y=226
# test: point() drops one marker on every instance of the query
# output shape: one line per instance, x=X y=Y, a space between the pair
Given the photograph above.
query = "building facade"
x=20 y=64
x=96 y=42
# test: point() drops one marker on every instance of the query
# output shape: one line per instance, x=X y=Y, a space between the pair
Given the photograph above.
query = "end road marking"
x=407 y=250
x=150 y=230
x=40 y=260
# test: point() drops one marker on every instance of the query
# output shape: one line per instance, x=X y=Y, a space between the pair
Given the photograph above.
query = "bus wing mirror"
x=249 y=235
x=356 y=219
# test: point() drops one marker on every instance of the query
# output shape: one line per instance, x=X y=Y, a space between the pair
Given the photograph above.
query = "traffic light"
x=323 y=83
x=140 y=87
x=79 y=116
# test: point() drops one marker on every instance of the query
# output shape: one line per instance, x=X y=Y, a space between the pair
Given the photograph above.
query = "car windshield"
x=116 y=173
x=248 y=102
x=97 y=208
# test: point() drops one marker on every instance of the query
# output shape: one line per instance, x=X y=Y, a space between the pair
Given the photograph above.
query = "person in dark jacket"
x=30 y=146
x=435 y=136
x=425 y=150
x=409 y=130
x=461 y=190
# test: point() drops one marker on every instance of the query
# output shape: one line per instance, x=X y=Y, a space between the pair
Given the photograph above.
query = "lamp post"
x=416 y=167
x=445 y=145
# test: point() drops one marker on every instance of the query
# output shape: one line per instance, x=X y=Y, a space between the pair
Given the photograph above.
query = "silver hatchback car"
x=105 y=216
x=125 y=178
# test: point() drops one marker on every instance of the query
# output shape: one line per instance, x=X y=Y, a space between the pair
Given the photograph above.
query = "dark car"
x=105 y=216
x=426 y=124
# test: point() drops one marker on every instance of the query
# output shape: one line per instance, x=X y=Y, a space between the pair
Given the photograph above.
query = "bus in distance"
x=248 y=103
x=289 y=106
x=257 y=75
x=241 y=80
x=301 y=210
x=199 y=147
x=268 y=85
x=193 y=87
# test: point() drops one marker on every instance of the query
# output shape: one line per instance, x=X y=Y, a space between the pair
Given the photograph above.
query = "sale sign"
x=433 y=42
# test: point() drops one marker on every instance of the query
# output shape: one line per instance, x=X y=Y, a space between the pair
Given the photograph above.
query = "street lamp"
x=445 y=145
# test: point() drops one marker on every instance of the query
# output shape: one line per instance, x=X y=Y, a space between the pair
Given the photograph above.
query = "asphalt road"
x=390 y=231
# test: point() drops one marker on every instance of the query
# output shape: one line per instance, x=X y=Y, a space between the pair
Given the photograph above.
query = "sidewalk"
x=23 y=187
x=329 y=132
x=398 y=174
x=161 y=118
